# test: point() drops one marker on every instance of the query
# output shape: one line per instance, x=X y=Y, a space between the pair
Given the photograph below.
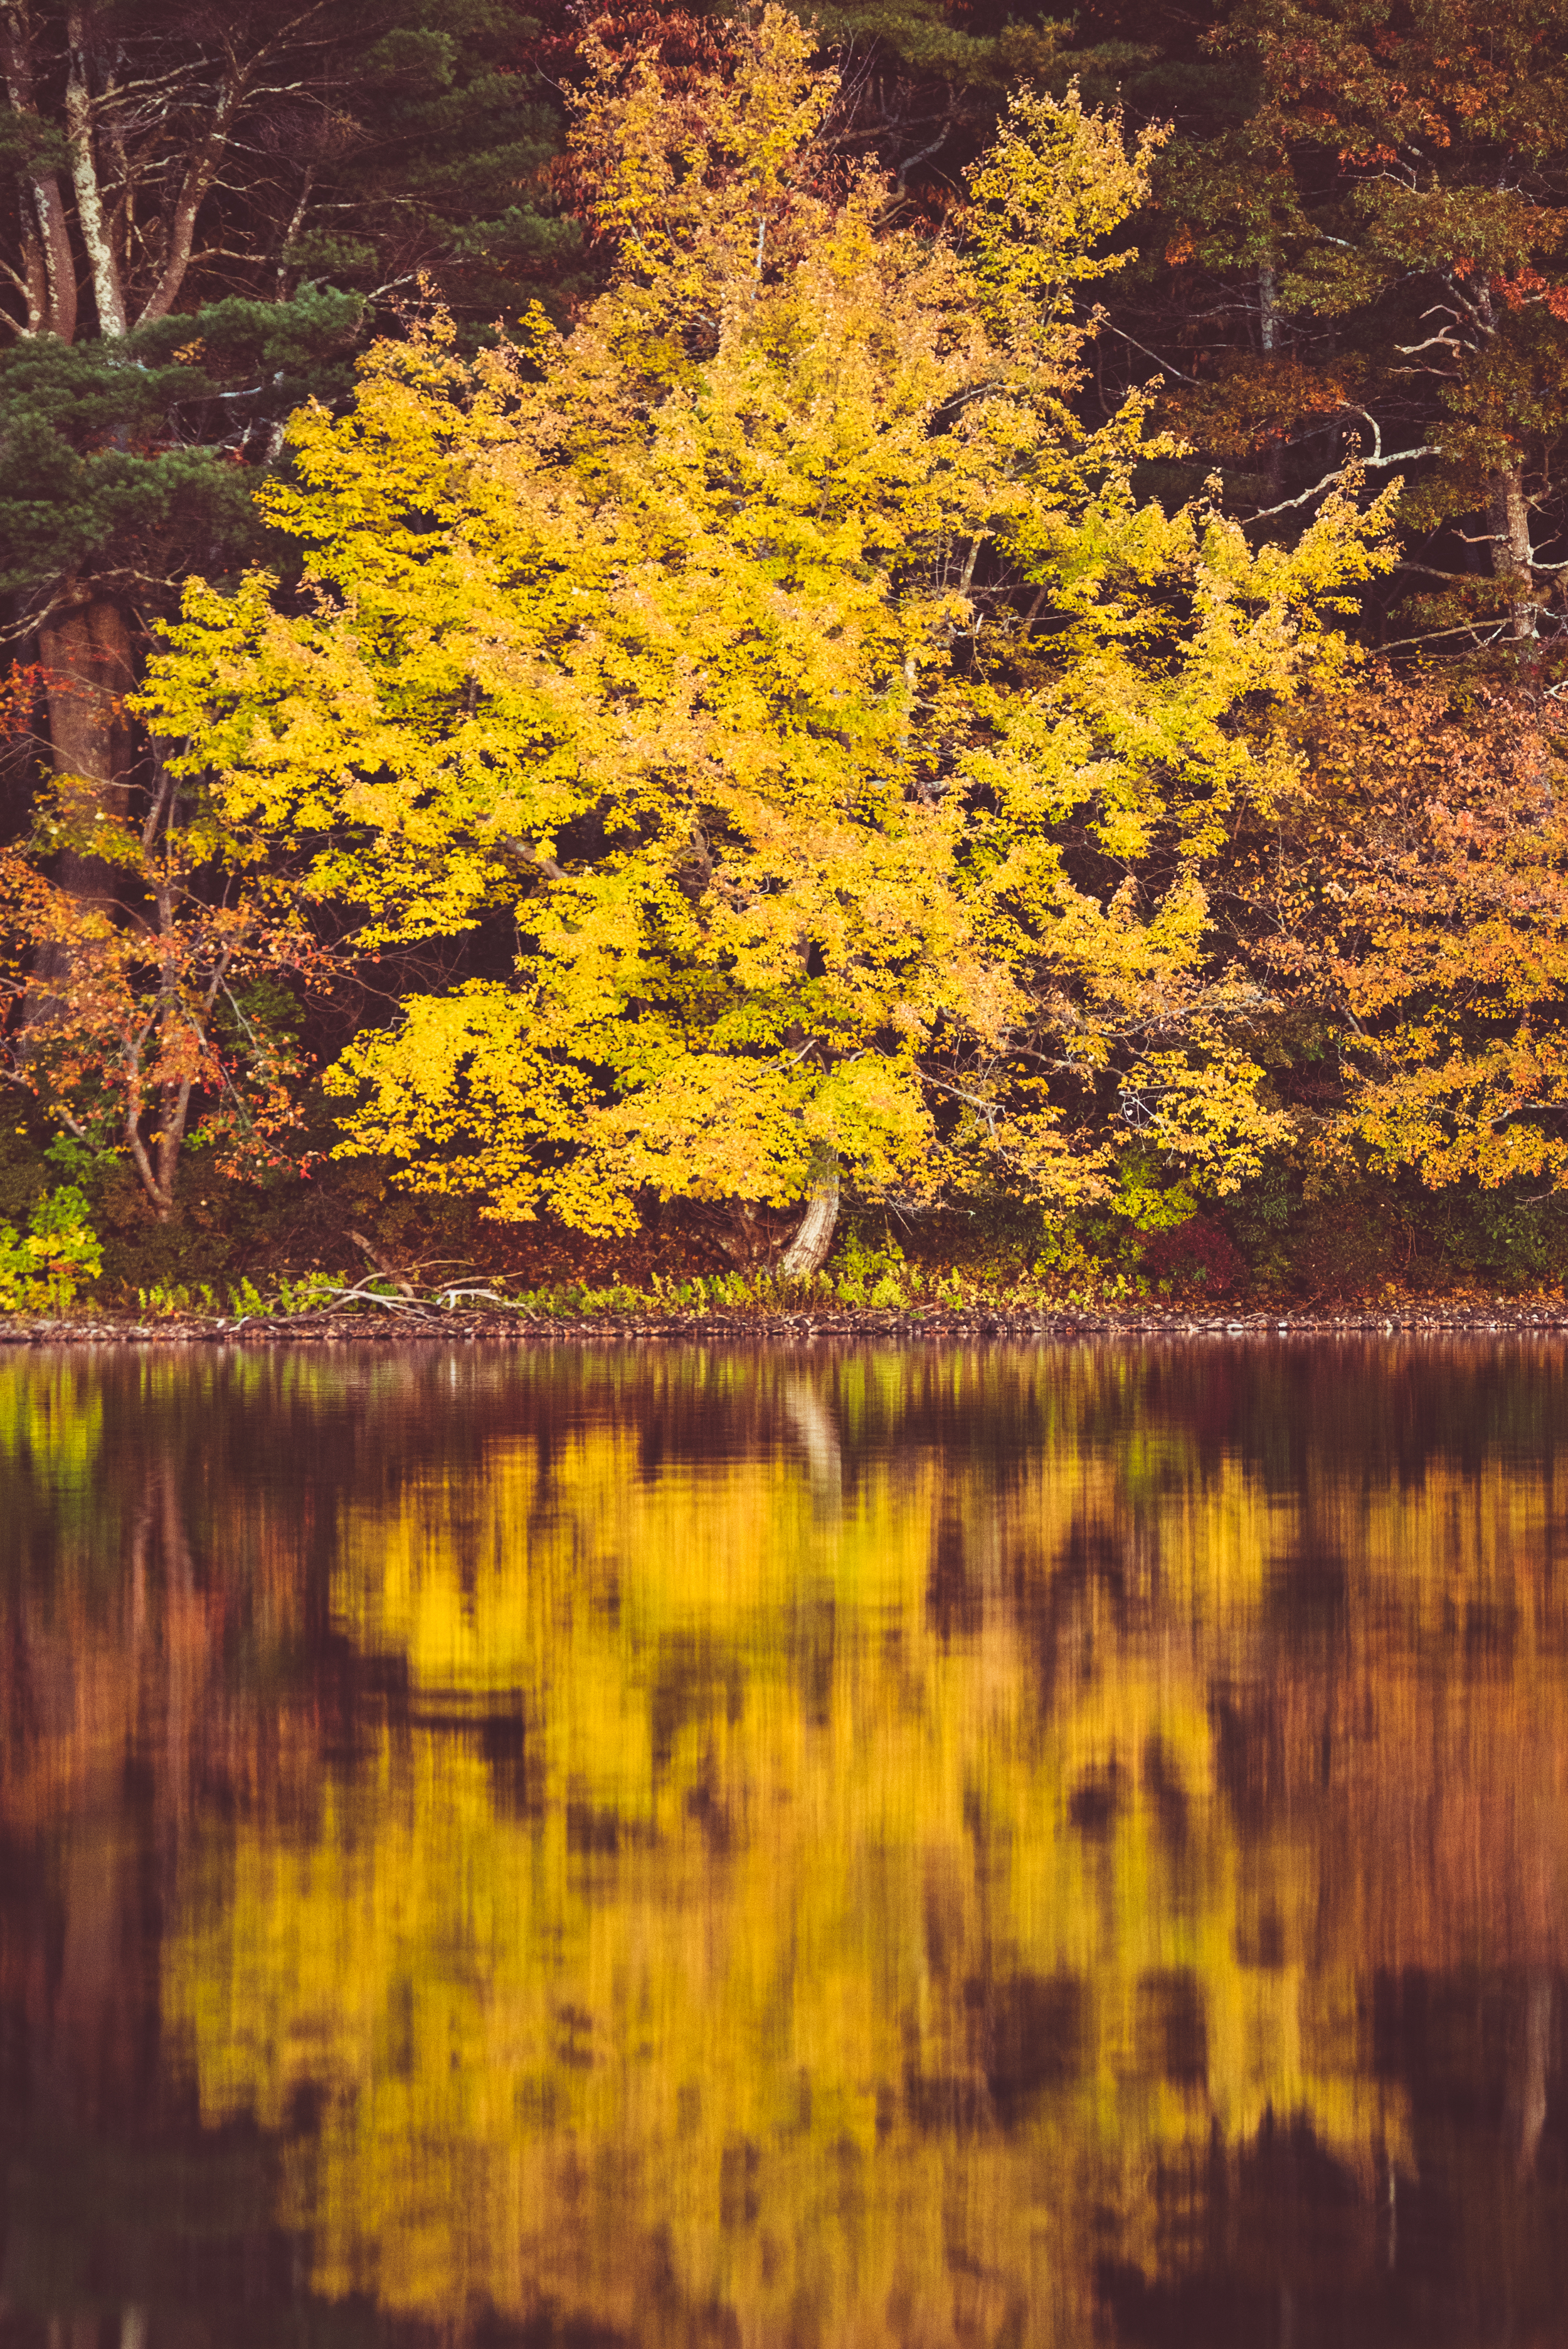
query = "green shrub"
x=43 y=1271
x=1514 y=1242
x=882 y=1278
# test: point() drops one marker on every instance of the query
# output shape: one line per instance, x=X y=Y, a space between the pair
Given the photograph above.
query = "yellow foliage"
x=761 y=649
x=782 y=1859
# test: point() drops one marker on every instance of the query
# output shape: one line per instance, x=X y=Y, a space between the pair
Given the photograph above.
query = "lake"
x=975 y=1845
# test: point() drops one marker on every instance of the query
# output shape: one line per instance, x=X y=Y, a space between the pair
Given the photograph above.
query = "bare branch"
x=1400 y=457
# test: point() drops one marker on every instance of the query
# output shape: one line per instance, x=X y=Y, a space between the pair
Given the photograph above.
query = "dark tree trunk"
x=86 y=657
x=85 y=654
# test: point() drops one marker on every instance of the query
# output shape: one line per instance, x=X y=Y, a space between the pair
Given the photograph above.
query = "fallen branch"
x=446 y=1298
x=379 y=1261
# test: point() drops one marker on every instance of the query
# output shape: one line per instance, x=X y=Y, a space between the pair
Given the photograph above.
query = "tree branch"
x=200 y=174
x=1400 y=457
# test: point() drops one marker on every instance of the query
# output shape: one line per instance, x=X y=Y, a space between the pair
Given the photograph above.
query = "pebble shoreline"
x=412 y=1325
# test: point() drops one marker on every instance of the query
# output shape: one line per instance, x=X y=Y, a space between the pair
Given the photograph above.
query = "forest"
x=917 y=646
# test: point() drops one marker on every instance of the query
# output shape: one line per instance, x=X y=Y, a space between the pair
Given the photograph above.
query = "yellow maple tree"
x=842 y=734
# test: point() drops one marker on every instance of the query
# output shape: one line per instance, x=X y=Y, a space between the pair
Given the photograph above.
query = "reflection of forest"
x=916 y=1847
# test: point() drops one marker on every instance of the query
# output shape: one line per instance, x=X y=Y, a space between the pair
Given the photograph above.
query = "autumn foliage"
x=792 y=720
x=1419 y=897
x=848 y=741
x=151 y=1006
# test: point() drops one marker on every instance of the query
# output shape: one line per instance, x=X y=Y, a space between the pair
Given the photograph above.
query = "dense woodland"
x=641 y=641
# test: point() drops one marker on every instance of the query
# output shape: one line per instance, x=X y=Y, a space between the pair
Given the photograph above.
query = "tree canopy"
x=842 y=734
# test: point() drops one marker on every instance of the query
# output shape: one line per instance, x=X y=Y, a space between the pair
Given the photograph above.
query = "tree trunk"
x=60 y=265
x=1268 y=339
x=200 y=175
x=86 y=656
x=48 y=265
x=808 y=1251
x=1513 y=556
x=107 y=293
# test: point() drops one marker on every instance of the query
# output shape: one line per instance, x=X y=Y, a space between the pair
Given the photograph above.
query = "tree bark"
x=48 y=261
x=86 y=656
x=1513 y=556
x=107 y=290
x=59 y=261
x=34 y=277
x=808 y=1250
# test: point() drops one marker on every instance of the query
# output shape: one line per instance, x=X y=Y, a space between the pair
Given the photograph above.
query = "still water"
x=973 y=1845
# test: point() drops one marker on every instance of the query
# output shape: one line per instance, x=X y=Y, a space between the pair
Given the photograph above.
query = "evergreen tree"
x=199 y=208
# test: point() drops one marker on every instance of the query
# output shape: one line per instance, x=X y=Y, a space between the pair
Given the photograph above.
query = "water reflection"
x=1010 y=1845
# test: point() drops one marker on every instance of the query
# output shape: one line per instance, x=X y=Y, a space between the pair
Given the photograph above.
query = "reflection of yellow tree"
x=843 y=1819
x=850 y=1892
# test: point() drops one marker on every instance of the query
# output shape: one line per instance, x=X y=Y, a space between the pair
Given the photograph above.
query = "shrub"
x=1197 y=1254
x=42 y=1272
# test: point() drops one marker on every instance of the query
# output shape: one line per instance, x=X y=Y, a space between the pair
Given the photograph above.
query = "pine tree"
x=199 y=214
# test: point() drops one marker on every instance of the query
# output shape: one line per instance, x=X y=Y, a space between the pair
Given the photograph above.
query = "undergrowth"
x=75 y=1242
x=861 y=1275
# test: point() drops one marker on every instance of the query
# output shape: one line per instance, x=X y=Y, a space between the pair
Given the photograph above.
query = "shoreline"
x=414 y=1326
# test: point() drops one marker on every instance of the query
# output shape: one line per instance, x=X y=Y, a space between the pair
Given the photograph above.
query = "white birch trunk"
x=808 y=1250
x=1513 y=556
x=107 y=290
